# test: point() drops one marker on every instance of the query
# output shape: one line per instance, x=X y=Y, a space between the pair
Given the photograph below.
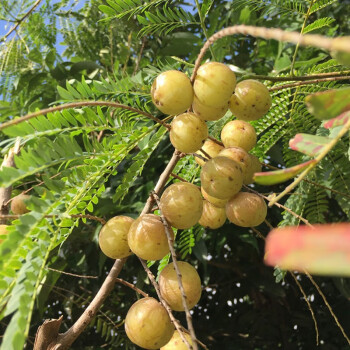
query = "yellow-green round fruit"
x=214 y=84
x=246 y=210
x=3 y=231
x=240 y=156
x=255 y=167
x=169 y=287
x=211 y=148
x=113 y=237
x=18 y=204
x=148 y=325
x=212 y=216
x=176 y=342
x=250 y=101
x=238 y=133
x=181 y=204
x=208 y=113
x=172 y=92
x=188 y=133
x=220 y=203
x=147 y=237
x=221 y=177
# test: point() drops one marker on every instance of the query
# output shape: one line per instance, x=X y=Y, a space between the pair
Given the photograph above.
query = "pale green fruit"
x=169 y=287
x=221 y=177
x=220 y=203
x=238 y=133
x=212 y=216
x=181 y=204
x=208 y=113
x=18 y=204
x=240 y=156
x=255 y=167
x=188 y=133
x=210 y=147
x=147 y=237
x=113 y=237
x=148 y=325
x=176 y=342
x=250 y=101
x=214 y=84
x=172 y=92
x=246 y=210
x=3 y=231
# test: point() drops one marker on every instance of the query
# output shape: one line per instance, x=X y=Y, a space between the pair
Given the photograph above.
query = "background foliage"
x=104 y=162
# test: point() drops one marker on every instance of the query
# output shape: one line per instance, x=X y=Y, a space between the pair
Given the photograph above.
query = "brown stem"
x=20 y=21
x=5 y=192
x=276 y=34
x=70 y=274
x=315 y=81
x=200 y=157
x=175 y=322
x=215 y=140
x=178 y=177
x=296 y=78
x=132 y=286
x=178 y=274
x=81 y=104
x=205 y=153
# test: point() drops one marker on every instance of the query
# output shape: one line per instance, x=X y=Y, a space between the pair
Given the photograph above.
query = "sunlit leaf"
x=322 y=249
x=338 y=121
x=310 y=145
x=328 y=104
x=268 y=178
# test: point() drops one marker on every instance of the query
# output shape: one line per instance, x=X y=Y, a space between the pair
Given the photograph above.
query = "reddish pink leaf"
x=338 y=121
x=268 y=178
x=310 y=145
x=323 y=250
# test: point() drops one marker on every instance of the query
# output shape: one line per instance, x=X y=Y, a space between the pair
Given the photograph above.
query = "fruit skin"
x=172 y=92
x=214 y=84
x=176 y=342
x=250 y=101
x=170 y=290
x=246 y=209
x=255 y=167
x=18 y=205
x=238 y=133
x=181 y=204
x=240 y=156
x=212 y=217
x=3 y=231
x=113 y=237
x=188 y=132
x=219 y=203
x=147 y=237
x=221 y=177
x=206 y=112
x=210 y=147
x=148 y=325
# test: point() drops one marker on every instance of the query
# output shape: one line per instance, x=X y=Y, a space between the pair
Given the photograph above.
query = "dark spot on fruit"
x=230 y=178
x=253 y=106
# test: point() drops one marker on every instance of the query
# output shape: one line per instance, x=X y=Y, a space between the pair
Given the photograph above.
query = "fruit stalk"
x=178 y=273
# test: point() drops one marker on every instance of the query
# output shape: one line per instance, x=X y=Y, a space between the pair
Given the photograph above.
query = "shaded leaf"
x=268 y=178
x=322 y=249
x=328 y=104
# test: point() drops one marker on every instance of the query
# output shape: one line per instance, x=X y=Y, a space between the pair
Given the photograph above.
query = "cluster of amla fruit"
x=147 y=323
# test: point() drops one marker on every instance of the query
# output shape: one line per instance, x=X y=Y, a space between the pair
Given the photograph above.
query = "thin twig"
x=178 y=274
x=178 y=177
x=205 y=153
x=292 y=85
x=258 y=233
x=296 y=78
x=328 y=306
x=215 y=140
x=308 y=305
x=280 y=206
x=85 y=216
x=137 y=65
x=80 y=104
x=70 y=274
x=18 y=22
x=199 y=157
x=276 y=34
x=132 y=286
x=175 y=322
